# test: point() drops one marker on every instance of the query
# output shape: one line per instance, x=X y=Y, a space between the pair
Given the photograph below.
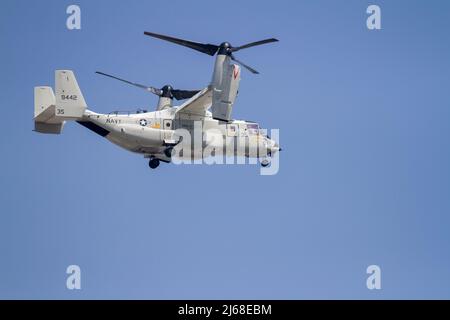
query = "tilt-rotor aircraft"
x=159 y=134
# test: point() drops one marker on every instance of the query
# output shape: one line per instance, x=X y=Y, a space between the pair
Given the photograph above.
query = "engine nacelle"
x=225 y=88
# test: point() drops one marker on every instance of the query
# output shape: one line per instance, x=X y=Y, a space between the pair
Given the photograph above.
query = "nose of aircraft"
x=273 y=146
x=276 y=148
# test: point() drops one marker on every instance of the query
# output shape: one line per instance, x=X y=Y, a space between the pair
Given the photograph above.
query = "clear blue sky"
x=364 y=175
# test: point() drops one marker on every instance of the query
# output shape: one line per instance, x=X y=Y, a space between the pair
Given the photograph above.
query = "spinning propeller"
x=223 y=49
x=166 y=92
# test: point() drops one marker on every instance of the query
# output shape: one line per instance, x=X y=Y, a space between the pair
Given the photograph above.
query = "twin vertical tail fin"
x=50 y=112
x=44 y=111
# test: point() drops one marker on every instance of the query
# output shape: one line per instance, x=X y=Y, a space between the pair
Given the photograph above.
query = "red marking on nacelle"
x=236 y=72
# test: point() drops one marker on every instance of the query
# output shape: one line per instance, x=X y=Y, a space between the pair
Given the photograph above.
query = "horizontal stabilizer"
x=51 y=128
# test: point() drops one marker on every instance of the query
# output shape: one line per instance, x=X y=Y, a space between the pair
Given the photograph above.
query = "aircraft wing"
x=198 y=104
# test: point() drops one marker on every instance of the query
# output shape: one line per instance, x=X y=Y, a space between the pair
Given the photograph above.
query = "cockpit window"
x=252 y=128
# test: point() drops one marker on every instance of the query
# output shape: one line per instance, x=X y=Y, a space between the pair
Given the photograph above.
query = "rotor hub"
x=225 y=48
x=167 y=91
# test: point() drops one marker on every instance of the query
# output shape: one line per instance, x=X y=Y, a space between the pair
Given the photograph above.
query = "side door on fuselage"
x=167 y=129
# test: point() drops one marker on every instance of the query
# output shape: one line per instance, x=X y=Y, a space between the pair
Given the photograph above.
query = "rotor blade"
x=253 y=44
x=204 y=48
x=244 y=65
x=184 y=94
x=156 y=91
